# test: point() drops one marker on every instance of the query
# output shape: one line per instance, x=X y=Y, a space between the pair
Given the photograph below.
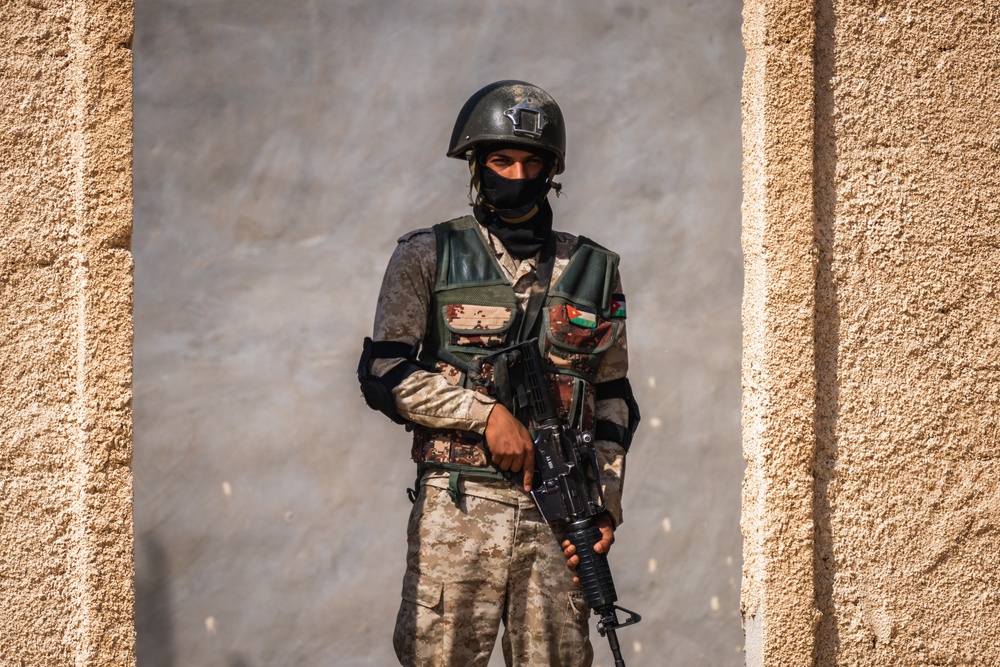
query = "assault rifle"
x=567 y=483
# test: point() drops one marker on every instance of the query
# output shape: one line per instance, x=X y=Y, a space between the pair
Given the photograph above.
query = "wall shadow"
x=827 y=332
x=154 y=629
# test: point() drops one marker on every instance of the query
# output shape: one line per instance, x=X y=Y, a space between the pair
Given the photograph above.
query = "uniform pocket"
x=574 y=637
x=575 y=338
x=426 y=593
x=578 y=605
x=418 y=623
x=477 y=326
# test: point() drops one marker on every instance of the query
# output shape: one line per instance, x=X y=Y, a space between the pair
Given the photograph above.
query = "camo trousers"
x=487 y=560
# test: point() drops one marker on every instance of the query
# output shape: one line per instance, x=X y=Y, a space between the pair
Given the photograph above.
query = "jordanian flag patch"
x=581 y=318
x=617 y=305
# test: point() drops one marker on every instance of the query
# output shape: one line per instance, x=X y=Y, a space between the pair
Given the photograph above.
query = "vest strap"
x=455 y=472
x=539 y=290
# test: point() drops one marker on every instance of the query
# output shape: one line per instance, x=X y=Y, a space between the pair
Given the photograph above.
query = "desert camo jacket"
x=432 y=399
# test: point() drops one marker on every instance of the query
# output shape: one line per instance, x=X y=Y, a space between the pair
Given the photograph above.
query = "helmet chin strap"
x=521 y=213
x=527 y=216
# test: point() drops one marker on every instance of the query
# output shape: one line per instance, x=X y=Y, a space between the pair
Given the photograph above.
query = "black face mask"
x=513 y=198
x=524 y=239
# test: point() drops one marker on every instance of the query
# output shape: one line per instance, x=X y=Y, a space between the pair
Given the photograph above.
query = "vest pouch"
x=446 y=446
x=472 y=327
x=474 y=310
x=575 y=339
x=574 y=400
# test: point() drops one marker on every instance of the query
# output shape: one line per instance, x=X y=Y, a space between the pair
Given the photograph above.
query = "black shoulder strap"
x=543 y=276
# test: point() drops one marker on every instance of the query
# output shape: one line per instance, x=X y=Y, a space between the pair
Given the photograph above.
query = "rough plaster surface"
x=281 y=147
x=65 y=275
x=778 y=319
x=898 y=225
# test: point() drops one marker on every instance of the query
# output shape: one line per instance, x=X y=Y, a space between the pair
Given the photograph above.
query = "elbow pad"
x=376 y=389
x=606 y=430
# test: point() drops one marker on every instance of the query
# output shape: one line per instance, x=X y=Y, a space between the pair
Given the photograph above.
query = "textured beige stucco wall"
x=778 y=332
x=871 y=511
x=65 y=363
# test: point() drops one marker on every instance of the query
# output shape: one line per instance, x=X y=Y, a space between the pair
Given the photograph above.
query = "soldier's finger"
x=608 y=533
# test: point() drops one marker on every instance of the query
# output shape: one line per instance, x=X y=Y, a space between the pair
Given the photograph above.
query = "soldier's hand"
x=607 y=528
x=510 y=443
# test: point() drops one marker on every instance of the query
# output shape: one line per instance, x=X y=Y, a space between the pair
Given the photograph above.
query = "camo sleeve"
x=401 y=315
x=611 y=455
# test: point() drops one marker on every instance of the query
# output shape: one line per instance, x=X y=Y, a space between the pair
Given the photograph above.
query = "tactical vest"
x=474 y=311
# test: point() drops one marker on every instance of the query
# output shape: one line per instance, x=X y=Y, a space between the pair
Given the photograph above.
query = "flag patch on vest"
x=581 y=318
x=617 y=305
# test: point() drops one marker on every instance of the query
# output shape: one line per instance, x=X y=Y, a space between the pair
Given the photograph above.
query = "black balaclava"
x=504 y=199
x=513 y=198
x=521 y=239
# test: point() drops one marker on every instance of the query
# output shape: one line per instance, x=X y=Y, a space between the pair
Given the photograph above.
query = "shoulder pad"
x=464 y=222
x=565 y=237
x=415 y=233
x=583 y=240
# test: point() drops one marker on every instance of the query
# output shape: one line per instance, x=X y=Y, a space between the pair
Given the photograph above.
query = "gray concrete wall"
x=281 y=147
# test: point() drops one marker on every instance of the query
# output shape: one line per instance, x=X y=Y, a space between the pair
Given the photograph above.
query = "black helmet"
x=513 y=112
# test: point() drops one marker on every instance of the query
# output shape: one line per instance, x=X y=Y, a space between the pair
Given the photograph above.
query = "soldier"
x=479 y=553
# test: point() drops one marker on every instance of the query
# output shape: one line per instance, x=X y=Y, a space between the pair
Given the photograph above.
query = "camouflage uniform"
x=489 y=557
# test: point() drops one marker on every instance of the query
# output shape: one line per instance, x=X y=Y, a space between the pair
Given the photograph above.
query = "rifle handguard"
x=593 y=570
